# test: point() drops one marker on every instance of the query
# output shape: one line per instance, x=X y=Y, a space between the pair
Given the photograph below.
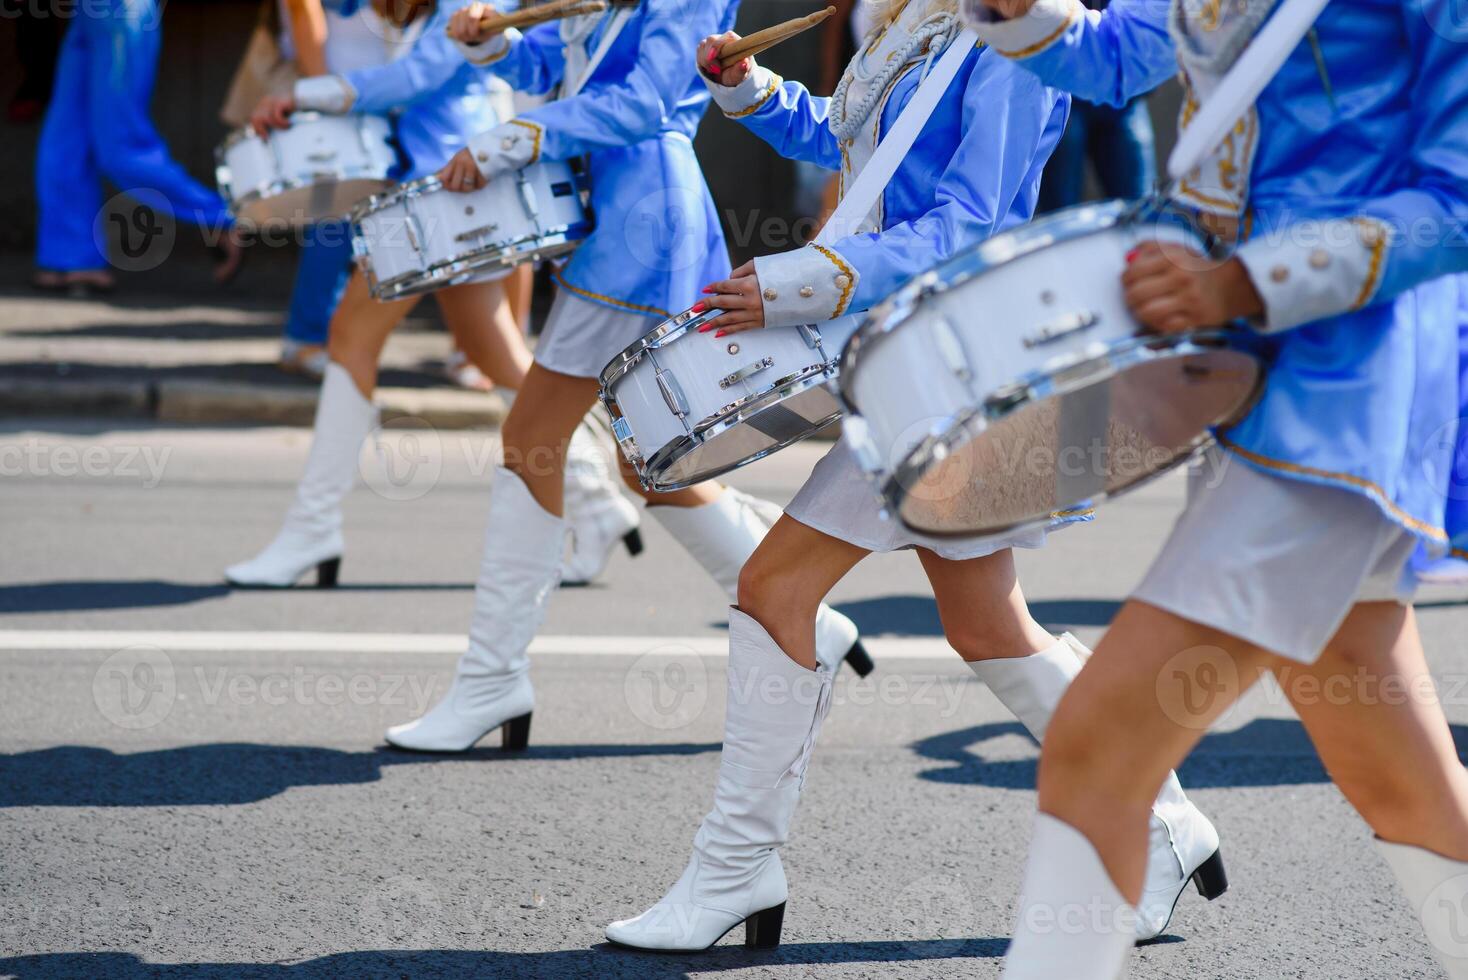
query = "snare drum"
x=316 y=169
x=420 y=237
x=687 y=407
x=1009 y=385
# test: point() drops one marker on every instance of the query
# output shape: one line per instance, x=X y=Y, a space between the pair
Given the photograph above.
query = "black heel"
x=860 y=660
x=762 y=930
x=633 y=540
x=326 y=573
x=1211 y=879
x=515 y=733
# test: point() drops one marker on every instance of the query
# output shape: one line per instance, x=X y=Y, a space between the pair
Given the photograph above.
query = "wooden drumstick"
x=541 y=13
x=737 y=51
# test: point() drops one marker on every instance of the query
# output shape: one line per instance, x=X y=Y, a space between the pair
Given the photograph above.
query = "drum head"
x=703 y=456
x=297 y=207
x=1069 y=443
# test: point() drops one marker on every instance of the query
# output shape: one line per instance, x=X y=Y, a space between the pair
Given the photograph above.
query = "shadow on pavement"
x=598 y=961
x=917 y=615
x=151 y=593
x=237 y=773
x=1265 y=752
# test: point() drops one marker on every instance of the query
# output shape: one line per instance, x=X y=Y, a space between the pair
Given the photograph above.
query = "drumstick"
x=737 y=51
x=541 y=13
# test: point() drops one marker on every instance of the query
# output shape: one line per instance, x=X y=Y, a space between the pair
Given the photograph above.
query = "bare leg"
x=1118 y=731
x=785 y=580
x=484 y=328
x=359 y=330
x=546 y=412
x=982 y=608
x=519 y=290
x=1371 y=709
x=694 y=496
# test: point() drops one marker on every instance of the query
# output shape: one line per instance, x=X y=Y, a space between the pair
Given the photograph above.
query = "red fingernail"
x=707 y=290
x=706 y=328
x=1132 y=255
x=699 y=307
x=720 y=334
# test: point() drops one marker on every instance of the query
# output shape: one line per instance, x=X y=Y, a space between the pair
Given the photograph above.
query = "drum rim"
x=887 y=317
x=1038 y=386
x=461 y=270
x=666 y=330
x=237 y=136
x=707 y=429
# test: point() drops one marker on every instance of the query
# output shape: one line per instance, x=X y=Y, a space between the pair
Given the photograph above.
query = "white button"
x=807 y=292
x=842 y=281
x=507 y=144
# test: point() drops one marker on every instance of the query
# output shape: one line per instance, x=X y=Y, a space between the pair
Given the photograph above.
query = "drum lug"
x=858 y=436
x=810 y=335
x=950 y=349
x=527 y=198
x=1061 y=327
x=673 y=395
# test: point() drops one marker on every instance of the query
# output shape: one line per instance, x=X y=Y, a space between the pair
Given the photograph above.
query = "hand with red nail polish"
x=740 y=298
x=709 y=66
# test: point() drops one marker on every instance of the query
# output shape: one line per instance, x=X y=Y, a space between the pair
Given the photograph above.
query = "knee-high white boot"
x=1073 y=924
x=597 y=512
x=722 y=535
x=1183 y=845
x=312 y=534
x=1438 y=890
x=491 y=689
x=774 y=714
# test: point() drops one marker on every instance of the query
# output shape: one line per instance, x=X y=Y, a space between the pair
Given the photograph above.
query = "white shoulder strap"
x=1240 y=87
x=863 y=193
x=620 y=16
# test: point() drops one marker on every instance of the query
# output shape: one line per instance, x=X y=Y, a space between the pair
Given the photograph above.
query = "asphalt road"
x=218 y=804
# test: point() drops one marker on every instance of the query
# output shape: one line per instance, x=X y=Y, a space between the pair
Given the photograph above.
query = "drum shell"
x=421 y=237
x=317 y=169
x=711 y=377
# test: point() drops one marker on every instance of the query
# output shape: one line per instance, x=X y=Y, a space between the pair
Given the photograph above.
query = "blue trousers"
x=98 y=126
x=1120 y=145
x=321 y=278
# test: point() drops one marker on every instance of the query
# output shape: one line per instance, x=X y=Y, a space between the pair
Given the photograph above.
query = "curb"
x=221 y=402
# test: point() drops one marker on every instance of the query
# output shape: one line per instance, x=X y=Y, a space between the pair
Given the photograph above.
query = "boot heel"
x=326 y=573
x=515 y=733
x=633 y=540
x=762 y=930
x=860 y=660
x=1211 y=879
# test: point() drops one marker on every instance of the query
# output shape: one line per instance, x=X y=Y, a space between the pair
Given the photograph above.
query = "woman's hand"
x=739 y=296
x=708 y=60
x=461 y=173
x=1010 y=9
x=465 y=25
x=273 y=112
x=1171 y=288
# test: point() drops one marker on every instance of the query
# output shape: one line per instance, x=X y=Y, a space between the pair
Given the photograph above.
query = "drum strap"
x=862 y=196
x=619 y=19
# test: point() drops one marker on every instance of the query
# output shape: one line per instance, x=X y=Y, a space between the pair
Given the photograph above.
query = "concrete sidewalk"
x=191 y=358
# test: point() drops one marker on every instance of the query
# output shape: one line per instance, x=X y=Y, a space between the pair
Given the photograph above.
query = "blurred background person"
x=98 y=125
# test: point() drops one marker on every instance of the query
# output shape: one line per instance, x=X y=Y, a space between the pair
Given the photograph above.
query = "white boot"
x=491 y=689
x=1438 y=890
x=1073 y=923
x=774 y=714
x=722 y=535
x=598 y=513
x=1183 y=845
x=312 y=534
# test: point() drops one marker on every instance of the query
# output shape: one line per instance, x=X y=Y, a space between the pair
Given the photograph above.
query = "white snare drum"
x=1009 y=385
x=316 y=169
x=419 y=237
x=687 y=407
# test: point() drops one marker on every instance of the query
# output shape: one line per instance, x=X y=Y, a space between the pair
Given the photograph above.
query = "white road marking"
x=227 y=641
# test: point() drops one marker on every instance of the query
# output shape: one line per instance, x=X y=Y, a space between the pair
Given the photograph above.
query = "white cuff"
x=509 y=146
x=805 y=285
x=1022 y=37
x=748 y=96
x=324 y=93
x=1316 y=269
x=488 y=52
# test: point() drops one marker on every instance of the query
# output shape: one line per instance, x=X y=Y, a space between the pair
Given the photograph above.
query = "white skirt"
x=581 y=338
x=838 y=500
x=1275 y=561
